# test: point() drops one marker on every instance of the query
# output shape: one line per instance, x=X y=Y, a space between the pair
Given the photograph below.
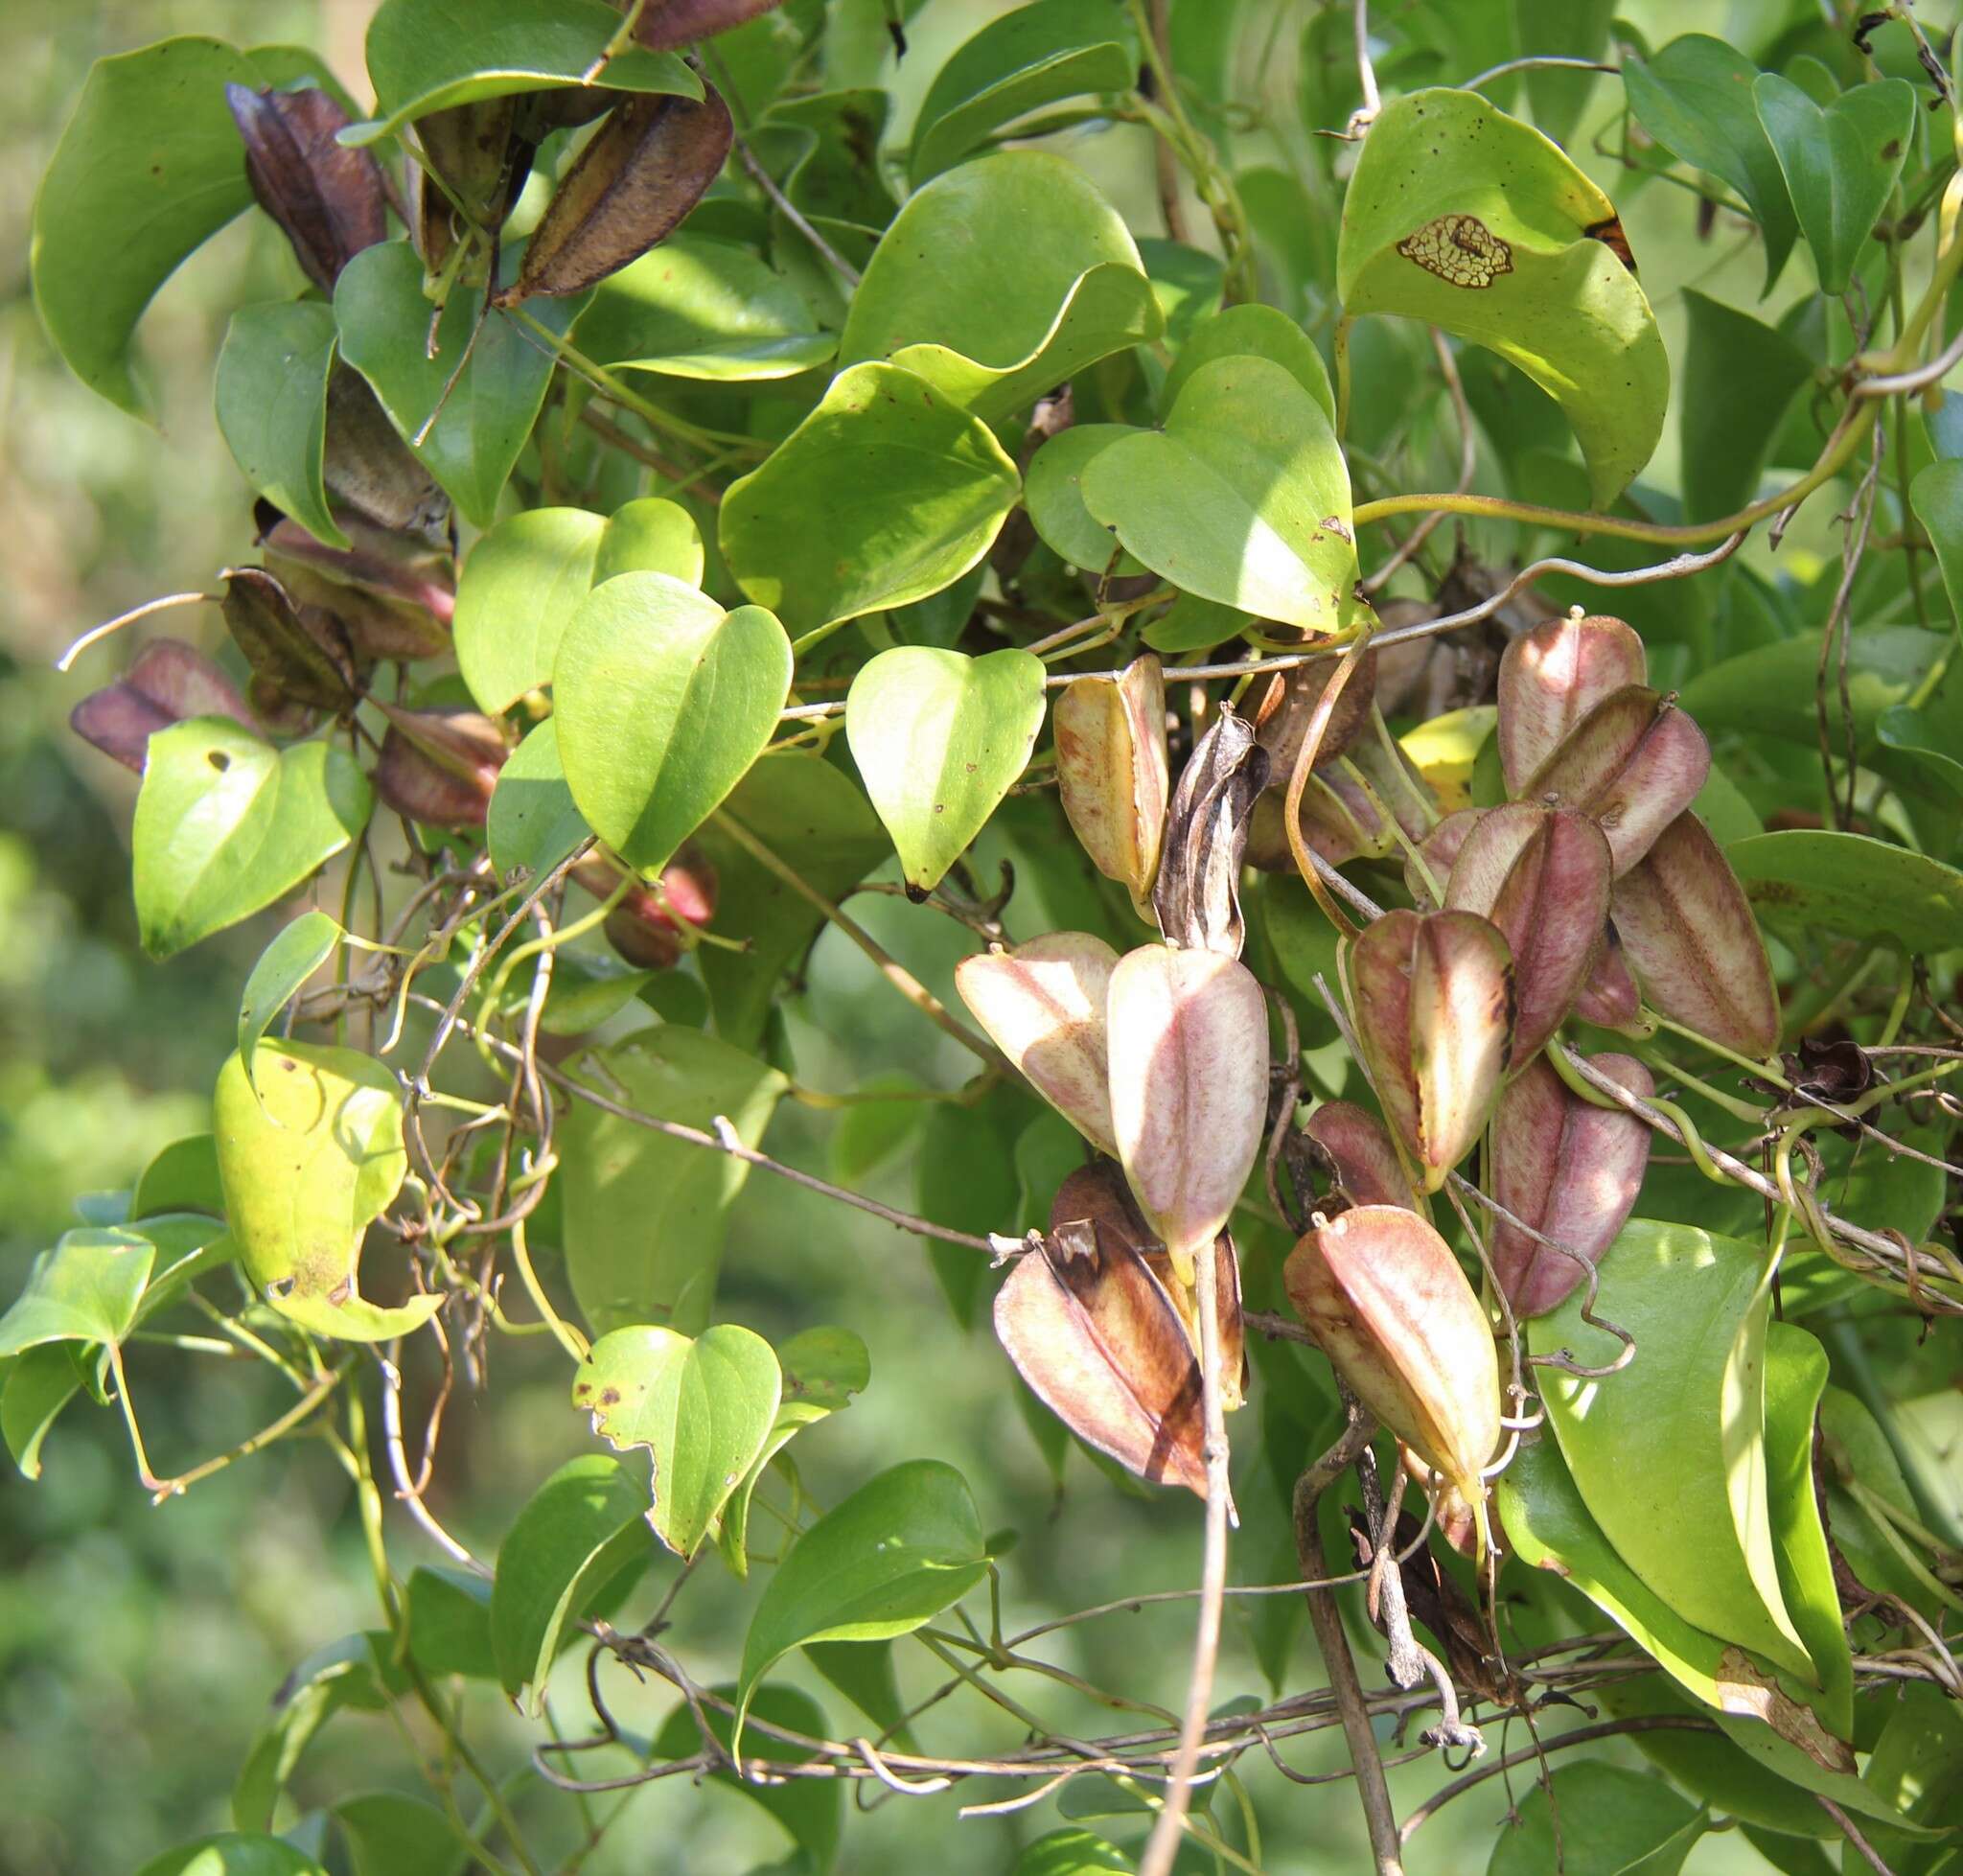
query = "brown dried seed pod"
x=483 y=164
x=1567 y=1169
x=1688 y=934
x=300 y=652
x=1551 y=677
x=672 y=23
x=438 y=767
x=1197 y=895
x=165 y=682
x=1289 y=702
x=394 y=596
x=328 y=200
x=1112 y=771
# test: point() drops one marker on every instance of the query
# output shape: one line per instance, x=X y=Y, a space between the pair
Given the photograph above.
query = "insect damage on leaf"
x=1459 y=249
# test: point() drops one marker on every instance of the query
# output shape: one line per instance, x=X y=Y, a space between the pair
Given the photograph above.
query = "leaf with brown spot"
x=1567 y=1169
x=1197 y=896
x=1112 y=771
x=646 y=167
x=1551 y=677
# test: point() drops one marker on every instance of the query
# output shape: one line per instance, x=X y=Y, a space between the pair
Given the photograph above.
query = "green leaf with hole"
x=1740 y=377
x=1034 y=56
x=1669 y=1451
x=86 y=1289
x=940 y=738
x=1613 y=1822
x=702 y=1408
x=1839 y=162
x=447 y=1614
x=1243 y=496
x=234 y=1853
x=701 y=308
x=272 y=397
x=993 y=336
x=1803 y=880
x=225 y=825
x=811 y=1810
x=822 y=1369
x=645 y=1216
x=393 y=1834
x=1694 y=98
x=533 y=823
x=486 y=416
x=310 y=1154
x=527 y=578
x=663 y=701
x=299 y=950
x=1936 y=494
x=148 y=169
x=1461 y=216
x=426 y=56
x=574 y=1551
x=889 y=1558
x=1796 y=1374
x=813 y=816
x=887 y=493
x=1252 y=330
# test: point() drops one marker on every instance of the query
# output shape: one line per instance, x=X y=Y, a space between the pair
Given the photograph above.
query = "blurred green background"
x=139 y=1648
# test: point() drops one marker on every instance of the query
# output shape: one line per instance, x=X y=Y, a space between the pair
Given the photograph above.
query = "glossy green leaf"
x=527 y=578
x=34 y=1386
x=1072 y=1852
x=182 y=1177
x=428 y=54
x=645 y=1214
x=995 y=337
x=822 y=1369
x=1694 y=98
x=702 y=1408
x=1800 y=880
x=309 y=1157
x=811 y=1810
x=299 y=950
x=1052 y=488
x=447 y=1613
x=1034 y=56
x=1252 y=330
x=149 y=167
x=533 y=822
x=85 y=1289
x=234 y=1853
x=886 y=493
x=881 y=1563
x=225 y=825
x=811 y=815
x=1839 y=162
x=694 y=308
x=1611 y=1822
x=384 y=321
x=1669 y=1452
x=1461 y=216
x=574 y=1550
x=1913 y=732
x=663 y=701
x=1796 y=1374
x=392 y=1834
x=1769 y=691
x=1917 y=1769
x=939 y=737
x=1242 y=498
x=1739 y=379
x=272 y=396
x=1936 y=494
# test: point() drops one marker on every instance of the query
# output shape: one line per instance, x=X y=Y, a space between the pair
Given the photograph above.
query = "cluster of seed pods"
x=1593 y=893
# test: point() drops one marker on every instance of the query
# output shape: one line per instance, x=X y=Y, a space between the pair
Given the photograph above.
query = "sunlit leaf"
x=285 y=965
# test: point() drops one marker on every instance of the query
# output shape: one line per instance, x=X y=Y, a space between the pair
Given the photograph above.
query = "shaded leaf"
x=1802 y=879
x=1839 y=162
x=392 y=1834
x=532 y=821
x=448 y=1614
x=1740 y=377
x=271 y=394
x=1611 y=1822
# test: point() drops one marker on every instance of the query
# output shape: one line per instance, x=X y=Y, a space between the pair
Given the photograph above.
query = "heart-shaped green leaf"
x=1802 y=879
x=1252 y=330
x=574 y=1551
x=310 y=1153
x=383 y=320
x=703 y=1409
x=662 y=701
x=428 y=56
x=225 y=825
x=1034 y=56
x=940 y=738
x=271 y=394
x=1244 y=498
x=1839 y=162
x=1696 y=99
x=887 y=492
x=1052 y=489
x=704 y=309
x=533 y=823
x=85 y=1289
x=822 y=1369
x=1611 y=1822
x=1464 y=216
x=889 y=1558
x=528 y=577
x=645 y=1216
x=1074 y=292
x=299 y=950
x=1669 y=1452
